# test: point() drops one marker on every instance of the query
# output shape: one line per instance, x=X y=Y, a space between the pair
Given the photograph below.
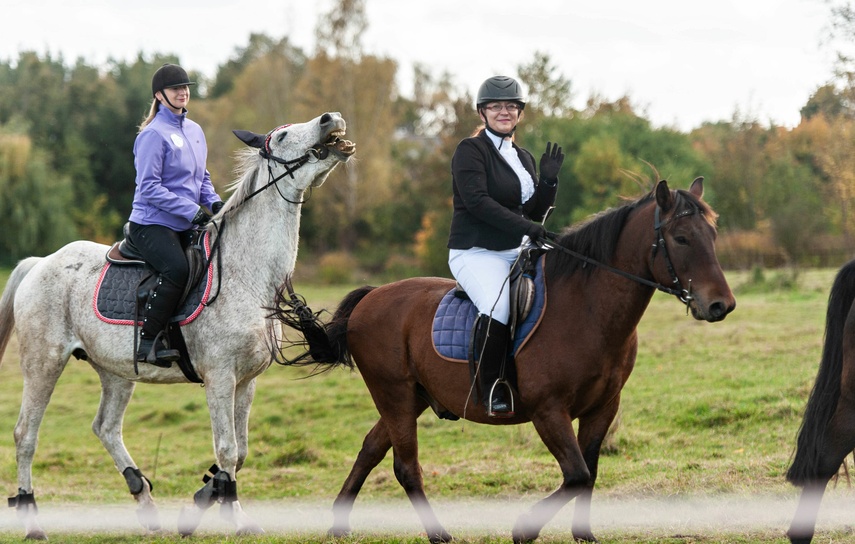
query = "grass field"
x=706 y=429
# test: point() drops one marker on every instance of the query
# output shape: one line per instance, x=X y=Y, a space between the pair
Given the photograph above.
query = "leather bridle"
x=684 y=295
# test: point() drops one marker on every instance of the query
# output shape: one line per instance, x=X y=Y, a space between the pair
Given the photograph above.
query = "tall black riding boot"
x=154 y=347
x=491 y=352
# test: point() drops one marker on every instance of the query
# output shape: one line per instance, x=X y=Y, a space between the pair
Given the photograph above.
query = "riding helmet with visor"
x=500 y=89
x=168 y=76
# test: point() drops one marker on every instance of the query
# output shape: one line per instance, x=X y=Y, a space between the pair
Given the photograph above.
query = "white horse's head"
x=301 y=155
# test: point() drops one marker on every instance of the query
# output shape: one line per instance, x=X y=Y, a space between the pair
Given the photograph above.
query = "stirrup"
x=163 y=357
x=505 y=413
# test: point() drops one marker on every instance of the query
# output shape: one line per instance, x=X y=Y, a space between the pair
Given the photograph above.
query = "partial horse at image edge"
x=827 y=432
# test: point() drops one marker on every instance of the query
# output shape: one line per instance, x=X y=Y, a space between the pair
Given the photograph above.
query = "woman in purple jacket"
x=173 y=193
x=498 y=200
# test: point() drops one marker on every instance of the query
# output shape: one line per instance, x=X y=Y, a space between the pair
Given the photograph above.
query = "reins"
x=684 y=295
x=317 y=152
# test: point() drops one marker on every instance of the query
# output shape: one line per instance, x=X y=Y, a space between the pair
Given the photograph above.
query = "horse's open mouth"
x=343 y=148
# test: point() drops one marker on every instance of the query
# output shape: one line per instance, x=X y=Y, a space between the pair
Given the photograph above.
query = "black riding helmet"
x=167 y=76
x=500 y=88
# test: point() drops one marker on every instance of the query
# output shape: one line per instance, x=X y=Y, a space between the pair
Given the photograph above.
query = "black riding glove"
x=538 y=233
x=202 y=216
x=550 y=163
x=217 y=206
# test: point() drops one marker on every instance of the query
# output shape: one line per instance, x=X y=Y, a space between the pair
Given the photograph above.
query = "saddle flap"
x=120 y=287
x=452 y=324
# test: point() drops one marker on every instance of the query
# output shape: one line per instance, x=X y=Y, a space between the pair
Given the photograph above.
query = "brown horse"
x=827 y=433
x=573 y=367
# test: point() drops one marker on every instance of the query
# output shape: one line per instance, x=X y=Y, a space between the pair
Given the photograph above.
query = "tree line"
x=67 y=130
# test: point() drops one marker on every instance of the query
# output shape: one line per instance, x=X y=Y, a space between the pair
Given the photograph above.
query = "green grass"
x=711 y=410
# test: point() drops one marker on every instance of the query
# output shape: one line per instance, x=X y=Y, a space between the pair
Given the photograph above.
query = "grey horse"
x=48 y=301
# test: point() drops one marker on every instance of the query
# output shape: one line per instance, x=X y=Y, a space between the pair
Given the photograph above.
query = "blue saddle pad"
x=115 y=294
x=455 y=316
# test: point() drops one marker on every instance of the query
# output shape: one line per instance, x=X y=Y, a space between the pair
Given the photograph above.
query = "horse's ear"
x=663 y=196
x=250 y=138
x=697 y=187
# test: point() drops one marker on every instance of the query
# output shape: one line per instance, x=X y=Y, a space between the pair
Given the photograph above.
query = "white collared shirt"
x=507 y=151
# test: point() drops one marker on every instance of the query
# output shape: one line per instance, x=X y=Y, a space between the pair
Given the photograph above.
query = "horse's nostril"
x=326 y=118
x=718 y=310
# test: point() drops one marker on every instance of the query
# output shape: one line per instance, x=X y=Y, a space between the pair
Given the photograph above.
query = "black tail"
x=826 y=389
x=323 y=344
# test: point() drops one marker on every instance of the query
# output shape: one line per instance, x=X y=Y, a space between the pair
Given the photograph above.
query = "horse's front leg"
x=556 y=430
x=116 y=393
x=220 y=483
x=244 y=394
x=592 y=431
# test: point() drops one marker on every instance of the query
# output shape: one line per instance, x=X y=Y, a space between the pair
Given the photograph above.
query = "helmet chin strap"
x=501 y=135
x=166 y=98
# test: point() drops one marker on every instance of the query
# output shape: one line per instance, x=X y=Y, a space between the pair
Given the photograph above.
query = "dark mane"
x=597 y=236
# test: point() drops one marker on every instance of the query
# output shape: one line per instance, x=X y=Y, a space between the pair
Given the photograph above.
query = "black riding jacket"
x=488 y=209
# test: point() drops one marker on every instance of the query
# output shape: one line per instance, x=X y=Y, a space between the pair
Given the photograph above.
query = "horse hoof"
x=149 y=518
x=586 y=536
x=339 y=532
x=252 y=529
x=522 y=533
x=37 y=534
x=189 y=519
x=440 y=536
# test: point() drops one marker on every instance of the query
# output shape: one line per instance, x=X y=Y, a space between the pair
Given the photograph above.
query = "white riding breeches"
x=483 y=274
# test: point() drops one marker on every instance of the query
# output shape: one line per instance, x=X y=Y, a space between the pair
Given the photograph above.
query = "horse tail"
x=326 y=343
x=822 y=403
x=7 y=314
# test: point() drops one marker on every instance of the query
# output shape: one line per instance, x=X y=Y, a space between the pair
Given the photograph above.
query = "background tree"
x=35 y=200
x=362 y=88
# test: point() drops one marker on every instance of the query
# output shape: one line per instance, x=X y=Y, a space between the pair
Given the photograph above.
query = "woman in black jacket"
x=498 y=200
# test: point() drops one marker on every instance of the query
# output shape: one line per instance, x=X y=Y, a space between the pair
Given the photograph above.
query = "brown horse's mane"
x=597 y=236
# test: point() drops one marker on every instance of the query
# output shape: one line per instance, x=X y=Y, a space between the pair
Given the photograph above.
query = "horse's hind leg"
x=40 y=372
x=116 y=393
x=374 y=449
x=403 y=433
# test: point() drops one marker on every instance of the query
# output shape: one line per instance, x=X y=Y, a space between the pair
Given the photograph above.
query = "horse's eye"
x=682 y=240
x=281 y=136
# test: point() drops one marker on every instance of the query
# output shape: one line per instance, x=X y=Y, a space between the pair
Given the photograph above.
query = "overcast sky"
x=682 y=62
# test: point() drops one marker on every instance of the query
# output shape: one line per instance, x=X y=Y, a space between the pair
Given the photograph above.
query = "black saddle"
x=124 y=252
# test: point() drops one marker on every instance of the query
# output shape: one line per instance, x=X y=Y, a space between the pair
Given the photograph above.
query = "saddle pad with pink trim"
x=115 y=294
x=455 y=316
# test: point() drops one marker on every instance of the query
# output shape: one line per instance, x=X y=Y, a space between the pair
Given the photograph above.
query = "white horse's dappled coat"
x=49 y=303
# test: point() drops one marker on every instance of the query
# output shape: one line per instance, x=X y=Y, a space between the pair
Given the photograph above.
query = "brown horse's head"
x=684 y=253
